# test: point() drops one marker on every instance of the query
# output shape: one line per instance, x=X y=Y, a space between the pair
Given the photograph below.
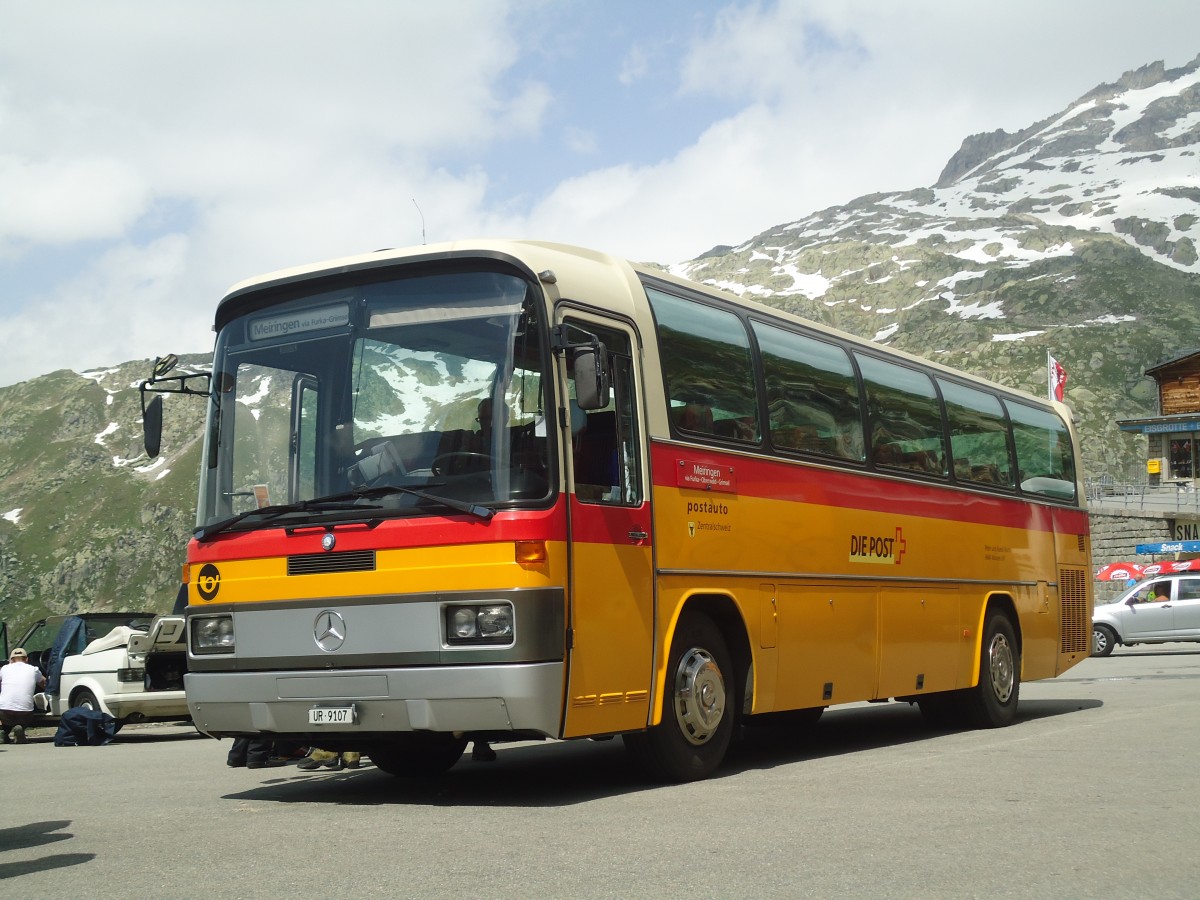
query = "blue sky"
x=152 y=154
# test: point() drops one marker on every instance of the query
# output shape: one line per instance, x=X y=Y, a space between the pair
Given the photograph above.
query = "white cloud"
x=153 y=154
x=65 y=200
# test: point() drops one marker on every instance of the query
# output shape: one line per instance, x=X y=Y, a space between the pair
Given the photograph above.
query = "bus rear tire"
x=993 y=702
x=698 y=709
x=418 y=754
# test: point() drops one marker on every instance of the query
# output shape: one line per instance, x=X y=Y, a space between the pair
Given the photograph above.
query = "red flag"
x=1056 y=377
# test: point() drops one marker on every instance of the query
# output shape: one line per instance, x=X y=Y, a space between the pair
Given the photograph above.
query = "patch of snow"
x=13 y=515
x=264 y=388
x=884 y=333
x=96 y=374
x=1182 y=126
x=812 y=286
x=112 y=426
x=950 y=280
x=994 y=310
x=1020 y=336
x=1110 y=320
x=150 y=466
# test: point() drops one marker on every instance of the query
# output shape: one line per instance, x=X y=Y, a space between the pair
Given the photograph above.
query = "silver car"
x=1153 y=611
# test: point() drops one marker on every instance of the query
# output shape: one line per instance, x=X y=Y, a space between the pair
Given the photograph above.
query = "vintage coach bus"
x=510 y=490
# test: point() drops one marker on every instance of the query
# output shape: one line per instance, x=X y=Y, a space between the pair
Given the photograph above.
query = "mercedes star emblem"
x=330 y=630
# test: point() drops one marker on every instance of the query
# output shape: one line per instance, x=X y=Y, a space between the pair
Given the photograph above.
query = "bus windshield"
x=432 y=385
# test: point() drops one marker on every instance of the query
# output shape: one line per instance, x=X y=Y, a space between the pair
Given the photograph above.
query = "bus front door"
x=611 y=604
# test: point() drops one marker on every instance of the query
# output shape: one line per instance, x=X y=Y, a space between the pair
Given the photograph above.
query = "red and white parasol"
x=1119 y=571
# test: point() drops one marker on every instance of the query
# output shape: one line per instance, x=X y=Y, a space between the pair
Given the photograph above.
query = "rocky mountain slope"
x=86 y=521
x=1077 y=236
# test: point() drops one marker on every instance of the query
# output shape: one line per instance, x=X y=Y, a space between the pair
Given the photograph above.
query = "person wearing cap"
x=18 y=682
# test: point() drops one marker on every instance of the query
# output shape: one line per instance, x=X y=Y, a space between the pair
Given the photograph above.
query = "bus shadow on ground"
x=862 y=728
x=566 y=773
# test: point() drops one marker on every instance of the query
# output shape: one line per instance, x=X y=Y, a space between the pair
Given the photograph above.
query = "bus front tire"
x=993 y=702
x=418 y=754
x=698 y=709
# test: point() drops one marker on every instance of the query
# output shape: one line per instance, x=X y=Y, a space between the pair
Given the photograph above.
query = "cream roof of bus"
x=578 y=272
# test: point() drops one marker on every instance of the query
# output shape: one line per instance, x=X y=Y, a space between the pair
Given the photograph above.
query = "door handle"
x=637 y=535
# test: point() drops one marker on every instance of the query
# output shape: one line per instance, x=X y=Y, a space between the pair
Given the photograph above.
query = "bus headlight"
x=212 y=634
x=484 y=623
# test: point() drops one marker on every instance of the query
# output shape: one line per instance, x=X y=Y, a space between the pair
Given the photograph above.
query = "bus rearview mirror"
x=591 y=376
x=152 y=426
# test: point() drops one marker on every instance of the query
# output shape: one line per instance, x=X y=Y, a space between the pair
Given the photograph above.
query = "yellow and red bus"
x=502 y=490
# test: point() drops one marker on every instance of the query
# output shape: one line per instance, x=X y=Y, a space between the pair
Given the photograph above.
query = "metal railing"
x=1104 y=493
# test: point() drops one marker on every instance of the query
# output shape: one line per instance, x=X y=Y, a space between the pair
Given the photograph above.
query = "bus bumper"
x=523 y=698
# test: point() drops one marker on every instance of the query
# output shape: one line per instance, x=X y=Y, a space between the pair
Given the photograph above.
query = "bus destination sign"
x=704 y=476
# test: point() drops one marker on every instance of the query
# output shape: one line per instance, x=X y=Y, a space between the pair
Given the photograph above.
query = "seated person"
x=696 y=417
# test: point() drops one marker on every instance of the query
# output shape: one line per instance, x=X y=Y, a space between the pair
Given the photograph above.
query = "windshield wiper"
x=471 y=509
x=339 y=501
x=348 y=500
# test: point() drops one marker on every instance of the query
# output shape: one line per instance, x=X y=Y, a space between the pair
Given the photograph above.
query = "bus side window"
x=708 y=369
x=905 y=416
x=812 y=394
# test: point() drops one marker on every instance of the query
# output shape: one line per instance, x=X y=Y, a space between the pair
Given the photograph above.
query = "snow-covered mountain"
x=1078 y=235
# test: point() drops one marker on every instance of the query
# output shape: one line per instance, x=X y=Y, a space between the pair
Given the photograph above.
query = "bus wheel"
x=993 y=702
x=418 y=754
x=1103 y=640
x=698 y=710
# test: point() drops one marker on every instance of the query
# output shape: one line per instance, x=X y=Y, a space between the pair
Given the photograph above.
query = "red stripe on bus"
x=800 y=483
x=506 y=525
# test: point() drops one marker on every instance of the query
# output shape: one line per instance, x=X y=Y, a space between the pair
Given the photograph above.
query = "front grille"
x=324 y=563
x=1076 y=618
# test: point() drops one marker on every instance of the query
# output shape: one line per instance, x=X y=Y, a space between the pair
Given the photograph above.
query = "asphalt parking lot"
x=1090 y=794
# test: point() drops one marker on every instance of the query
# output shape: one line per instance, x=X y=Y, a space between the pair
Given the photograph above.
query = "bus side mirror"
x=591 y=376
x=152 y=425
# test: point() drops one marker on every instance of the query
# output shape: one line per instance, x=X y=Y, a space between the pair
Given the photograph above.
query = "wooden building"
x=1174 y=434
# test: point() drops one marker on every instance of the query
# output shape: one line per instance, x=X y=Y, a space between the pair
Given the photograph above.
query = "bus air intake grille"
x=1076 y=611
x=325 y=563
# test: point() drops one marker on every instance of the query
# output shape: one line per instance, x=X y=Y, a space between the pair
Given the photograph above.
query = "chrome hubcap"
x=1099 y=641
x=699 y=696
x=1000 y=664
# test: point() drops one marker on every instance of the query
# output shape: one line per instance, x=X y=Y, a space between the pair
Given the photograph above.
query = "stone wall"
x=1115 y=537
